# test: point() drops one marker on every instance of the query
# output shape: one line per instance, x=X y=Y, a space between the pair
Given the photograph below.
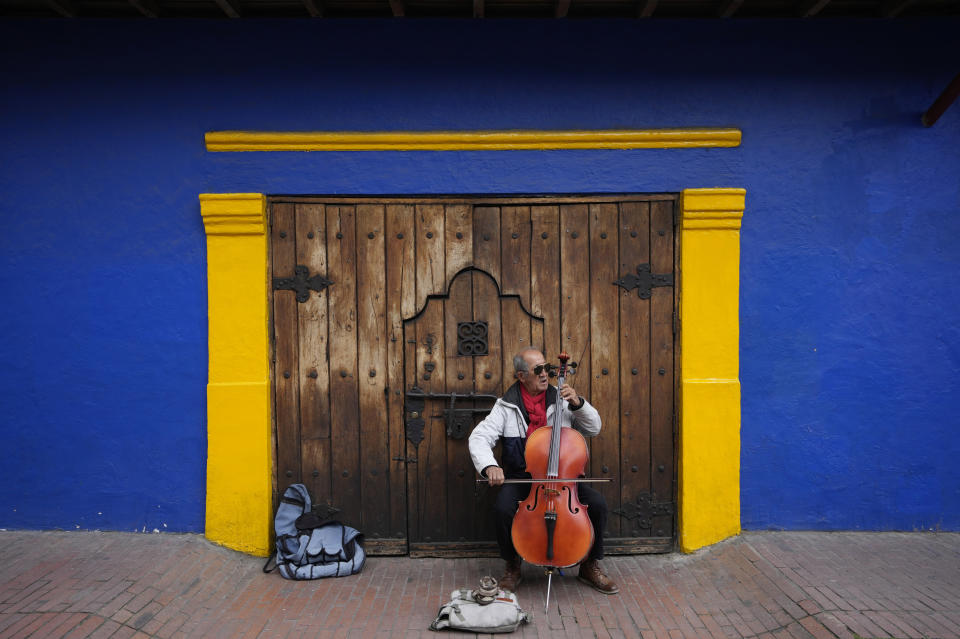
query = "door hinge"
x=406 y=460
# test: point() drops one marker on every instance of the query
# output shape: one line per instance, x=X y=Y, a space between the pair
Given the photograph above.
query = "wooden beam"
x=893 y=8
x=561 y=9
x=149 y=8
x=810 y=8
x=728 y=8
x=229 y=7
x=397 y=7
x=942 y=103
x=645 y=8
x=314 y=8
x=65 y=8
x=478 y=8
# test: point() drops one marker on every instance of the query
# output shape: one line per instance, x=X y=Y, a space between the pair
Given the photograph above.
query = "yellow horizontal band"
x=712 y=222
x=233 y=213
x=470 y=140
x=696 y=200
x=713 y=208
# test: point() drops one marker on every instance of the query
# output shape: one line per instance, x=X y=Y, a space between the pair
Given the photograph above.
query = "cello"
x=551 y=527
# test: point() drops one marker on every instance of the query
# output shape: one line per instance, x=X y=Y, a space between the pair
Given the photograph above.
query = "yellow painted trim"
x=470 y=140
x=709 y=491
x=239 y=438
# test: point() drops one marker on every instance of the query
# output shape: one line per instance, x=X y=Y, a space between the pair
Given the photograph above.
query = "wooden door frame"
x=239 y=508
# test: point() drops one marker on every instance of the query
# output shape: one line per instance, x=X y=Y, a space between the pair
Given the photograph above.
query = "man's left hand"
x=568 y=393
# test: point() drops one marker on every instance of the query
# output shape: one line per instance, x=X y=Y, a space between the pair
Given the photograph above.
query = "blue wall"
x=849 y=344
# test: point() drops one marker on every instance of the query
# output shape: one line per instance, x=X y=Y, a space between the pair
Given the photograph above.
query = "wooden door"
x=459 y=353
x=368 y=300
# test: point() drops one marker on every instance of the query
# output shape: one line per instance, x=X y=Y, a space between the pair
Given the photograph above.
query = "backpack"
x=308 y=547
x=465 y=612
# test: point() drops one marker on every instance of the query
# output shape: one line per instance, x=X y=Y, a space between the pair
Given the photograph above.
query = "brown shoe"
x=512 y=575
x=591 y=575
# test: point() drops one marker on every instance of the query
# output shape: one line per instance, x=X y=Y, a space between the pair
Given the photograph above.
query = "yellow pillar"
x=710 y=365
x=239 y=454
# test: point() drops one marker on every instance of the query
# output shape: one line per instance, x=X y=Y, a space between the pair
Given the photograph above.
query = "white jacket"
x=506 y=423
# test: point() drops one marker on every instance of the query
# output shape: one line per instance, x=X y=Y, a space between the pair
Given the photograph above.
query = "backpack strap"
x=273 y=558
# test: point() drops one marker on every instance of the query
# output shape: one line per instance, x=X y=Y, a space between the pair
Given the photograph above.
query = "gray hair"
x=519 y=364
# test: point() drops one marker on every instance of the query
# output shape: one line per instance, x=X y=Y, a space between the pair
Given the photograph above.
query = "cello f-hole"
x=536 y=499
x=573 y=509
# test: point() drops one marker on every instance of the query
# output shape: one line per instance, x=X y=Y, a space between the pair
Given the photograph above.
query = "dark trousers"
x=506 y=507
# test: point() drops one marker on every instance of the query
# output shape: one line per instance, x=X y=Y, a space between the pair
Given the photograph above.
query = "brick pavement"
x=767 y=585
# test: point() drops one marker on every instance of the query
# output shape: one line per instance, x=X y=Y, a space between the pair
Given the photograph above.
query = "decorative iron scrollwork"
x=644 y=281
x=645 y=509
x=301 y=282
x=472 y=338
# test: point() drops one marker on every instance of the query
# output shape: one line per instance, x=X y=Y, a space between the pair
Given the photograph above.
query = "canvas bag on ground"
x=464 y=612
x=308 y=548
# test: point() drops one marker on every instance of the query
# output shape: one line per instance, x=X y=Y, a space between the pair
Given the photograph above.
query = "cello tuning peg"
x=572 y=364
x=551 y=373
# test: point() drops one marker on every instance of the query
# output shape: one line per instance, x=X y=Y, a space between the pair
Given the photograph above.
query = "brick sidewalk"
x=770 y=585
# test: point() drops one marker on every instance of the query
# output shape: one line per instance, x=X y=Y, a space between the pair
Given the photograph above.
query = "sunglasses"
x=539 y=369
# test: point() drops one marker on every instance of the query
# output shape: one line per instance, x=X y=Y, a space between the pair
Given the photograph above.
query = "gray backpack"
x=311 y=548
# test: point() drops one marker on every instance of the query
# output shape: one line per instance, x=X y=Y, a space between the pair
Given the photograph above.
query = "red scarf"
x=536 y=409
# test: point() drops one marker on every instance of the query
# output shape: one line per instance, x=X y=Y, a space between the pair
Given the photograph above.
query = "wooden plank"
x=495 y=201
x=344 y=409
x=314 y=371
x=893 y=8
x=486 y=240
x=412 y=448
x=515 y=252
x=634 y=346
x=634 y=546
x=515 y=331
x=314 y=8
x=727 y=8
x=431 y=273
x=545 y=277
x=401 y=304
x=454 y=549
x=286 y=399
x=147 y=8
x=432 y=453
x=615 y=546
x=372 y=376
x=230 y=7
x=942 y=103
x=604 y=360
x=488 y=371
x=458 y=307
x=458 y=229
x=66 y=8
x=515 y=274
x=661 y=362
x=487 y=374
x=810 y=8
x=645 y=8
x=575 y=291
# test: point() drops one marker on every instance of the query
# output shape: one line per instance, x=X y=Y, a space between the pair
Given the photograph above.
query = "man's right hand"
x=494 y=475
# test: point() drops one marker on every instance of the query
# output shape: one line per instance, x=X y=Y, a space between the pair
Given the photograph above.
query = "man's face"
x=535 y=384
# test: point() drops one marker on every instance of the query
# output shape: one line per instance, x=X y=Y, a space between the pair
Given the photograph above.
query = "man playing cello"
x=527 y=405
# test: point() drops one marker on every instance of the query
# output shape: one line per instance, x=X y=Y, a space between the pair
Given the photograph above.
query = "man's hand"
x=568 y=393
x=494 y=475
